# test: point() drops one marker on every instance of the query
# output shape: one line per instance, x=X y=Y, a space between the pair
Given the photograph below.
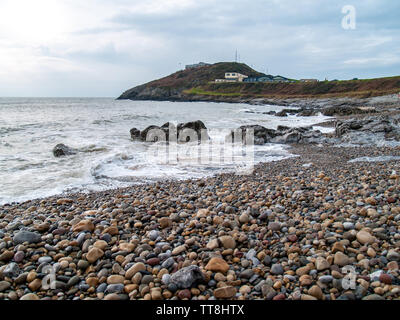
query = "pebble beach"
x=285 y=232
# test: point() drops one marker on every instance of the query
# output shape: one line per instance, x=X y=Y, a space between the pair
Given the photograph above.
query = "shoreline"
x=296 y=151
x=283 y=232
x=317 y=102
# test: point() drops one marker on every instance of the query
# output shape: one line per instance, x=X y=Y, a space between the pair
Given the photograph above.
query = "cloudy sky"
x=102 y=47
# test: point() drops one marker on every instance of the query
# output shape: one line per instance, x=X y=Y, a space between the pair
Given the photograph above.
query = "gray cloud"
x=296 y=39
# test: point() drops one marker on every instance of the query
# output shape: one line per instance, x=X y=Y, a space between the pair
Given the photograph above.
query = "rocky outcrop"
x=184 y=132
x=307 y=112
x=344 y=110
x=371 y=130
x=144 y=92
x=303 y=135
x=333 y=106
x=282 y=135
x=286 y=112
x=62 y=150
x=373 y=125
x=135 y=134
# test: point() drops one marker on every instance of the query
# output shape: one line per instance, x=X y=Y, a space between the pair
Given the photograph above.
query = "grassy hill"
x=197 y=84
x=350 y=88
x=174 y=84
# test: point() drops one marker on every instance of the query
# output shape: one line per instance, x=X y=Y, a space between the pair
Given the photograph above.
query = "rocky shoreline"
x=283 y=233
x=380 y=102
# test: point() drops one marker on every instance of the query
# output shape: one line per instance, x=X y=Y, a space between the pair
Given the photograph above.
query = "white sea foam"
x=99 y=128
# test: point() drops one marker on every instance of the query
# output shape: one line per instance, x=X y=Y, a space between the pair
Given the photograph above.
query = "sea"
x=107 y=157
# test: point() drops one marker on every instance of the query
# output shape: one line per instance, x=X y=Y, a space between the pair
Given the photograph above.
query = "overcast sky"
x=102 y=47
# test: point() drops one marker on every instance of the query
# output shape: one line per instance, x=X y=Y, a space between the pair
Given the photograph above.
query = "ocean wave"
x=108 y=158
x=6 y=144
x=136 y=117
x=5 y=130
x=93 y=148
x=102 y=121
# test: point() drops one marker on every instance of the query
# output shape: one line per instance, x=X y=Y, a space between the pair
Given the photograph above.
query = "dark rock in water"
x=184 y=132
x=153 y=134
x=271 y=113
x=285 y=112
x=307 y=113
x=186 y=277
x=189 y=131
x=299 y=135
x=135 y=134
x=61 y=150
x=282 y=114
x=26 y=236
x=262 y=135
x=167 y=125
x=290 y=137
x=283 y=135
x=185 y=129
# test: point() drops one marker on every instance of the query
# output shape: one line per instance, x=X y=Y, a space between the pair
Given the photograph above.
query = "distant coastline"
x=198 y=84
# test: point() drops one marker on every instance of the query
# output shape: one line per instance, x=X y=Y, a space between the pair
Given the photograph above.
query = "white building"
x=235 y=76
x=232 y=77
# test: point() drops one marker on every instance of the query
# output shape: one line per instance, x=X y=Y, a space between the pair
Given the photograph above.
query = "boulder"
x=389 y=127
x=185 y=132
x=343 y=110
x=195 y=126
x=62 y=150
x=307 y=113
x=286 y=112
x=153 y=134
x=135 y=134
x=262 y=135
x=282 y=113
x=282 y=135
